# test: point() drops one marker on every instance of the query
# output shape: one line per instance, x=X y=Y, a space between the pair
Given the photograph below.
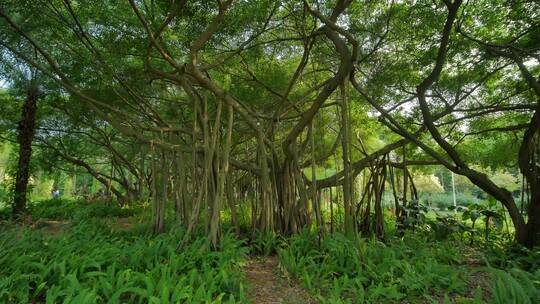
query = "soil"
x=266 y=286
x=51 y=227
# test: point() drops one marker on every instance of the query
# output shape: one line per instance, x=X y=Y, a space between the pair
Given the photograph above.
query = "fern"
x=91 y=264
x=515 y=286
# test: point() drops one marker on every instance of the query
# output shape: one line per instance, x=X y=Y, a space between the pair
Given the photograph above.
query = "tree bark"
x=27 y=130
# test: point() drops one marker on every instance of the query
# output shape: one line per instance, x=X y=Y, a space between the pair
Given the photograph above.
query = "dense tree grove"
x=205 y=104
x=276 y=116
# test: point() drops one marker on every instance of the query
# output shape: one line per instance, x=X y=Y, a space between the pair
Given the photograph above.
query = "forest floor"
x=266 y=286
x=52 y=227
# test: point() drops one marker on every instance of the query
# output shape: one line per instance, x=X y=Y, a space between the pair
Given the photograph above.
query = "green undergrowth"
x=506 y=255
x=515 y=272
x=411 y=269
x=74 y=210
x=91 y=264
x=515 y=286
x=77 y=209
x=265 y=243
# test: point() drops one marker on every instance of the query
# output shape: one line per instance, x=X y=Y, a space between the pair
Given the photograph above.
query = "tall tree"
x=26 y=131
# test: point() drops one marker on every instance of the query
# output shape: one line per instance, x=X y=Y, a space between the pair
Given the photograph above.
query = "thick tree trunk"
x=287 y=198
x=26 y=129
x=528 y=163
x=533 y=225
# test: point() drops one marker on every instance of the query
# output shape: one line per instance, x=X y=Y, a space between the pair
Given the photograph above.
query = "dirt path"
x=51 y=227
x=267 y=287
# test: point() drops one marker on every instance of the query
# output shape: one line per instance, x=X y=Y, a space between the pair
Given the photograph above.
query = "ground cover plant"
x=85 y=261
x=90 y=264
x=270 y=151
x=411 y=269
